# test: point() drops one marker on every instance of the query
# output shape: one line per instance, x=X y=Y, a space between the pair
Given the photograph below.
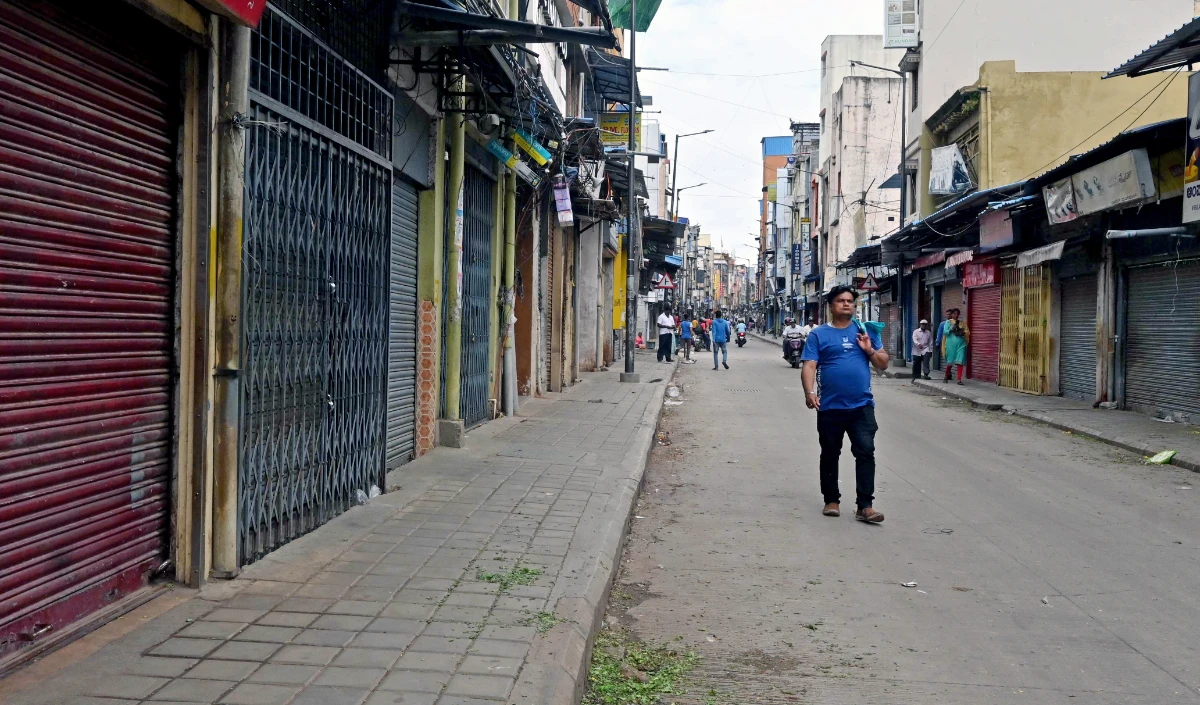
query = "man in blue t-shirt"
x=686 y=336
x=844 y=352
x=721 y=333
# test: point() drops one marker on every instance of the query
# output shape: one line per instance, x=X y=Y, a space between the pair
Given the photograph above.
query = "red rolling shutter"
x=983 y=317
x=87 y=164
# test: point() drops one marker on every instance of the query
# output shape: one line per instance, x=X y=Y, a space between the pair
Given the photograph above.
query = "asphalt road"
x=1049 y=568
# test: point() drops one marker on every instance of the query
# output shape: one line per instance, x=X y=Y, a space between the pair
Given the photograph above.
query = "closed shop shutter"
x=87 y=211
x=478 y=298
x=983 y=317
x=1077 y=338
x=402 y=333
x=1163 y=302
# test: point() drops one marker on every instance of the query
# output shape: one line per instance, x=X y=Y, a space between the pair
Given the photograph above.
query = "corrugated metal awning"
x=610 y=76
x=960 y=258
x=1177 y=49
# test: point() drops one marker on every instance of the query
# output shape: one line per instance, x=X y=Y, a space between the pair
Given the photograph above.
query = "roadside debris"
x=1163 y=458
x=909 y=584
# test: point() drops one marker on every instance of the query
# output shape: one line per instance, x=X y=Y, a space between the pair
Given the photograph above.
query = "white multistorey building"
x=1062 y=35
x=859 y=128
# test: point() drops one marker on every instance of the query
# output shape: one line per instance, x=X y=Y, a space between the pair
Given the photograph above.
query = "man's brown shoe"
x=833 y=509
x=869 y=515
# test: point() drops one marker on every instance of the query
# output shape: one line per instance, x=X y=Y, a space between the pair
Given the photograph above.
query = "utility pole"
x=631 y=228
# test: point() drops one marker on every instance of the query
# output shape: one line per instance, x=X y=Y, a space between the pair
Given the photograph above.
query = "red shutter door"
x=983 y=317
x=87 y=158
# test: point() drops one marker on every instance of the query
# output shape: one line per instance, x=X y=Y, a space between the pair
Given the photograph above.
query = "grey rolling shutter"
x=1077 y=339
x=1163 y=305
x=402 y=330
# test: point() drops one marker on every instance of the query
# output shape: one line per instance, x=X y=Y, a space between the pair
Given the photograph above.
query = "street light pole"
x=675 y=171
x=631 y=208
x=903 y=134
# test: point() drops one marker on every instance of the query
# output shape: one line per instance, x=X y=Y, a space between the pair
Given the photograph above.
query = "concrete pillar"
x=450 y=428
x=587 y=288
x=1106 y=326
x=431 y=249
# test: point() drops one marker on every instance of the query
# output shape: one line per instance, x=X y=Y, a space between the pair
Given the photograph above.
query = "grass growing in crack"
x=518 y=575
x=543 y=621
x=626 y=672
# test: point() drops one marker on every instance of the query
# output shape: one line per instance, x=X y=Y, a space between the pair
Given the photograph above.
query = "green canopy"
x=646 y=10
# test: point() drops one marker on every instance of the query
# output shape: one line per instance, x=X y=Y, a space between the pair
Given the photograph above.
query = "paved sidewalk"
x=479 y=581
x=1125 y=429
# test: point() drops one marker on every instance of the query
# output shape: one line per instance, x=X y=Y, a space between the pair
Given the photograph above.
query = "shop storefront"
x=982 y=285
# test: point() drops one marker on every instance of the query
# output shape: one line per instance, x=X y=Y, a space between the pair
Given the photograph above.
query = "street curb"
x=1078 y=429
x=556 y=669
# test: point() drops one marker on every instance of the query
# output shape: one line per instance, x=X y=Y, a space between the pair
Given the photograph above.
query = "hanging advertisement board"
x=1060 y=202
x=1191 y=171
x=901 y=23
x=1121 y=182
x=614 y=130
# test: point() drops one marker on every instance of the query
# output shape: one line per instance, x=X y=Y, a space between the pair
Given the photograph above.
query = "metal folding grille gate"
x=1077 y=338
x=315 y=287
x=402 y=334
x=1024 y=310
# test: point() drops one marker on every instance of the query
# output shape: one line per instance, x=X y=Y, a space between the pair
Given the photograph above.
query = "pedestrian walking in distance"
x=955 y=338
x=686 y=336
x=720 y=340
x=666 y=335
x=844 y=351
x=922 y=341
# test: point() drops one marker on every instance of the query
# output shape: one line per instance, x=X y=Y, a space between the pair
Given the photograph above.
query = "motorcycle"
x=793 y=349
x=741 y=339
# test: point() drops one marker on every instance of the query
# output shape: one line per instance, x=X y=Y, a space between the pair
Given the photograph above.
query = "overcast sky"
x=753 y=38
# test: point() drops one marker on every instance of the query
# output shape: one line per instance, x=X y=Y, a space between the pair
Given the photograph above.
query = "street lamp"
x=631 y=229
x=675 y=197
x=675 y=169
x=903 y=133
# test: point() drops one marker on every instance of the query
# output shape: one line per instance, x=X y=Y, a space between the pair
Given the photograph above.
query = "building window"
x=912 y=81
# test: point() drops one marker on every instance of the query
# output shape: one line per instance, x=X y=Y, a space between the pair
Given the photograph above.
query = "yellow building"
x=1012 y=125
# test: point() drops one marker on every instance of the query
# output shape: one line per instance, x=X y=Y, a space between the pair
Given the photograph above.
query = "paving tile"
x=328 y=695
x=341 y=621
x=409 y=610
x=212 y=669
x=460 y=613
x=415 y=681
x=276 y=635
x=442 y=584
x=493 y=647
x=127 y=686
x=382 y=640
x=260 y=694
x=159 y=666
x=211 y=630
x=188 y=648
x=513 y=602
x=367 y=658
x=270 y=587
x=419 y=597
x=324 y=637
x=91 y=700
x=194 y=690
x=509 y=618
x=351 y=677
x=287 y=619
x=397 y=698
x=227 y=614
x=310 y=655
x=440 y=644
x=461 y=700
x=319 y=591
x=392 y=624
x=283 y=674
x=490 y=665
x=304 y=604
x=245 y=651
x=368 y=608
x=253 y=602
x=469 y=599
x=381 y=593
x=480 y=686
x=453 y=629
x=331 y=578
x=382 y=581
x=427 y=661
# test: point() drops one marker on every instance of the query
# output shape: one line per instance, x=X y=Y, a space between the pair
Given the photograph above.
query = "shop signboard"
x=995 y=230
x=976 y=274
x=901 y=24
x=1060 y=202
x=1191 y=154
x=614 y=130
x=1124 y=181
x=948 y=174
x=247 y=12
x=797 y=258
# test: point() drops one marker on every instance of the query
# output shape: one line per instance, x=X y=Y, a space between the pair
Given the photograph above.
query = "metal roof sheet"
x=1179 y=48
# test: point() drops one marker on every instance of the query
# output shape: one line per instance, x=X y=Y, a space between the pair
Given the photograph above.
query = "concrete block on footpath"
x=450 y=433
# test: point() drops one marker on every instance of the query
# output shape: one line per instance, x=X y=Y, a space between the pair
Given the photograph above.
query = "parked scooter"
x=741 y=339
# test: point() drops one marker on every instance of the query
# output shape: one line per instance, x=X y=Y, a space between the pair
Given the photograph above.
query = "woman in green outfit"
x=955 y=336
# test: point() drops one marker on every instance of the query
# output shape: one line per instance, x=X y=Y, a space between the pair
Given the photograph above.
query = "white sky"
x=750 y=37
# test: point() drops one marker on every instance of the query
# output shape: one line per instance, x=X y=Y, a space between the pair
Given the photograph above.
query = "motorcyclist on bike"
x=792 y=329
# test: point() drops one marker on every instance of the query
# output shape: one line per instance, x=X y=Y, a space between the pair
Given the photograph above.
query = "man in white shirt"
x=922 y=341
x=666 y=335
x=793 y=329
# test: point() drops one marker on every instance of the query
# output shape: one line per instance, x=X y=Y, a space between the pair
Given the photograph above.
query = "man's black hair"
x=838 y=291
x=717 y=314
